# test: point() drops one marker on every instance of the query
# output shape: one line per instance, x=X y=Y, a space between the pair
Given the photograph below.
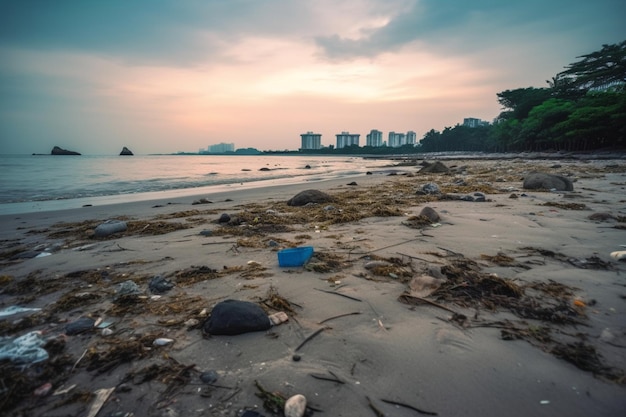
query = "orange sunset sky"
x=167 y=76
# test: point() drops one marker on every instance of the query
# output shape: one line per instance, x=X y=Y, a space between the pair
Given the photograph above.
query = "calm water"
x=44 y=182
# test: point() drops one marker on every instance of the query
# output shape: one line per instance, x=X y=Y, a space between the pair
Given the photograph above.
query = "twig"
x=374 y=408
x=327 y=378
x=318 y=331
x=338 y=293
x=219 y=243
x=451 y=251
x=429 y=413
x=79 y=359
x=339 y=316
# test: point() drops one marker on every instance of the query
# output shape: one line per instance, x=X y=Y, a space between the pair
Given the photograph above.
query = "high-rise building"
x=347 y=139
x=474 y=122
x=311 y=140
x=374 y=138
x=221 y=148
x=396 y=139
x=411 y=138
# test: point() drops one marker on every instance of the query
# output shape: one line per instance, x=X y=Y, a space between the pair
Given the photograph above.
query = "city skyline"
x=163 y=77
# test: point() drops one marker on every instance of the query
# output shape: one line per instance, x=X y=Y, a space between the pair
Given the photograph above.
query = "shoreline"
x=457 y=352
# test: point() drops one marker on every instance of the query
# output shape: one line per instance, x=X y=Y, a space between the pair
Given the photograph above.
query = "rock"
x=60 y=151
x=265 y=169
x=307 y=167
x=480 y=197
x=224 y=218
x=369 y=173
x=352 y=183
x=206 y=232
x=202 y=201
x=127 y=288
x=437 y=167
x=295 y=406
x=309 y=196
x=232 y=317
x=542 y=180
x=126 y=151
x=601 y=217
x=109 y=227
x=619 y=255
x=430 y=214
x=513 y=195
x=430 y=188
x=209 y=377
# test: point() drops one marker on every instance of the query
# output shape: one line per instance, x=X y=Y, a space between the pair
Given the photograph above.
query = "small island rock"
x=60 y=151
x=126 y=151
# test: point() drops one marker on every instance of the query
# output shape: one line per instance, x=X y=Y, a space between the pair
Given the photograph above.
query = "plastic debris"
x=158 y=284
x=81 y=325
x=162 y=341
x=25 y=349
x=128 y=288
x=9 y=311
x=109 y=227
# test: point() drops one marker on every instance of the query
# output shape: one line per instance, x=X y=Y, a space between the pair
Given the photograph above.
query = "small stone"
x=209 y=377
x=352 y=183
x=296 y=358
x=124 y=388
x=224 y=218
x=206 y=232
x=43 y=390
x=513 y=195
x=272 y=243
x=430 y=188
x=430 y=214
x=162 y=341
x=295 y=406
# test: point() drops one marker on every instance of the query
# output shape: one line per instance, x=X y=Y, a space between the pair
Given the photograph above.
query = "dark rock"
x=209 y=377
x=307 y=166
x=542 y=180
x=352 y=183
x=231 y=317
x=428 y=189
x=60 y=151
x=224 y=218
x=369 y=173
x=202 y=201
x=264 y=169
x=29 y=254
x=513 y=195
x=480 y=197
x=126 y=151
x=430 y=214
x=437 y=167
x=159 y=285
x=81 y=325
x=467 y=198
x=309 y=196
x=206 y=232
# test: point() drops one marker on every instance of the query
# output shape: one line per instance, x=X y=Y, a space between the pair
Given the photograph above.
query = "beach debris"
x=295 y=406
x=424 y=285
x=128 y=288
x=24 y=350
x=162 y=341
x=206 y=232
x=275 y=301
x=324 y=377
x=541 y=180
x=619 y=255
x=224 y=218
x=278 y=318
x=410 y=407
x=11 y=310
x=601 y=217
x=43 y=390
x=565 y=206
x=315 y=333
x=81 y=325
x=340 y=294
x=158 y=284
x=339 y=316
x=294 y=257
x=309 y=196
x=102 y=395
x=110 y=227
x=232 y=317
x=272 y=401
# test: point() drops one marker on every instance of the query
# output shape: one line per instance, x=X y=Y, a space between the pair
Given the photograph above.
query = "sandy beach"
x=510 y=306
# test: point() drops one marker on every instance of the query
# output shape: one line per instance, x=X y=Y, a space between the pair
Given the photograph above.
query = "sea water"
x=44 y=182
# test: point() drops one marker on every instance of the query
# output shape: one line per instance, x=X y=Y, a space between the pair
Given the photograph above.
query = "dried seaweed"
x=112 y=352
x=324 y=262
x=565 y=206
x=195 y=274
x=275 y=301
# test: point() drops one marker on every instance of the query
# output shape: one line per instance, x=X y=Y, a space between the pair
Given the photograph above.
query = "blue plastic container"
x=295 y=256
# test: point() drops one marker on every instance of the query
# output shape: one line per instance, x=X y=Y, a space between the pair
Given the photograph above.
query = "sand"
x=529 y=318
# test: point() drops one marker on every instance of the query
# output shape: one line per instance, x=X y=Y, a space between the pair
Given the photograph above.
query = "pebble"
x=209 y=377
x=43 y=390
x=295 y=406
x=224 y=218
x=206 y=232
x=619 y=255
x=162 y=341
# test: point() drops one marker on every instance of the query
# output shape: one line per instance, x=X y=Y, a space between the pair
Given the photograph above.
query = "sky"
x=163 y=76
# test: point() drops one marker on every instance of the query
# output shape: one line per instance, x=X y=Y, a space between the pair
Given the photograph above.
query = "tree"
x=600 y=70
x=519 y=102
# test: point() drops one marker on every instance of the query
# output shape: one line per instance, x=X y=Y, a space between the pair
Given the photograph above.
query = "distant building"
x=311 y=140
x=396 y=139
x=411 y=138
x=374 y=138
x=473 y=122
x=347 y=139
x=221 y=148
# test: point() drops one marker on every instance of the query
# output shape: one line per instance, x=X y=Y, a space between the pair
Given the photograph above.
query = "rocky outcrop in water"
x=126 y=151
x=60 y=151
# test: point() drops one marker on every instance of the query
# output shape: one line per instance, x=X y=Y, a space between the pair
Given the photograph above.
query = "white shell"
x=295 y=406
x=619 y=255
x=162 y=341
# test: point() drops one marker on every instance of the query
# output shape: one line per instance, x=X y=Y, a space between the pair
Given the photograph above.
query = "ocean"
x=31 y=183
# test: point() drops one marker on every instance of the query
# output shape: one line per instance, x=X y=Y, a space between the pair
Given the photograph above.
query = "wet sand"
x=529 y=317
